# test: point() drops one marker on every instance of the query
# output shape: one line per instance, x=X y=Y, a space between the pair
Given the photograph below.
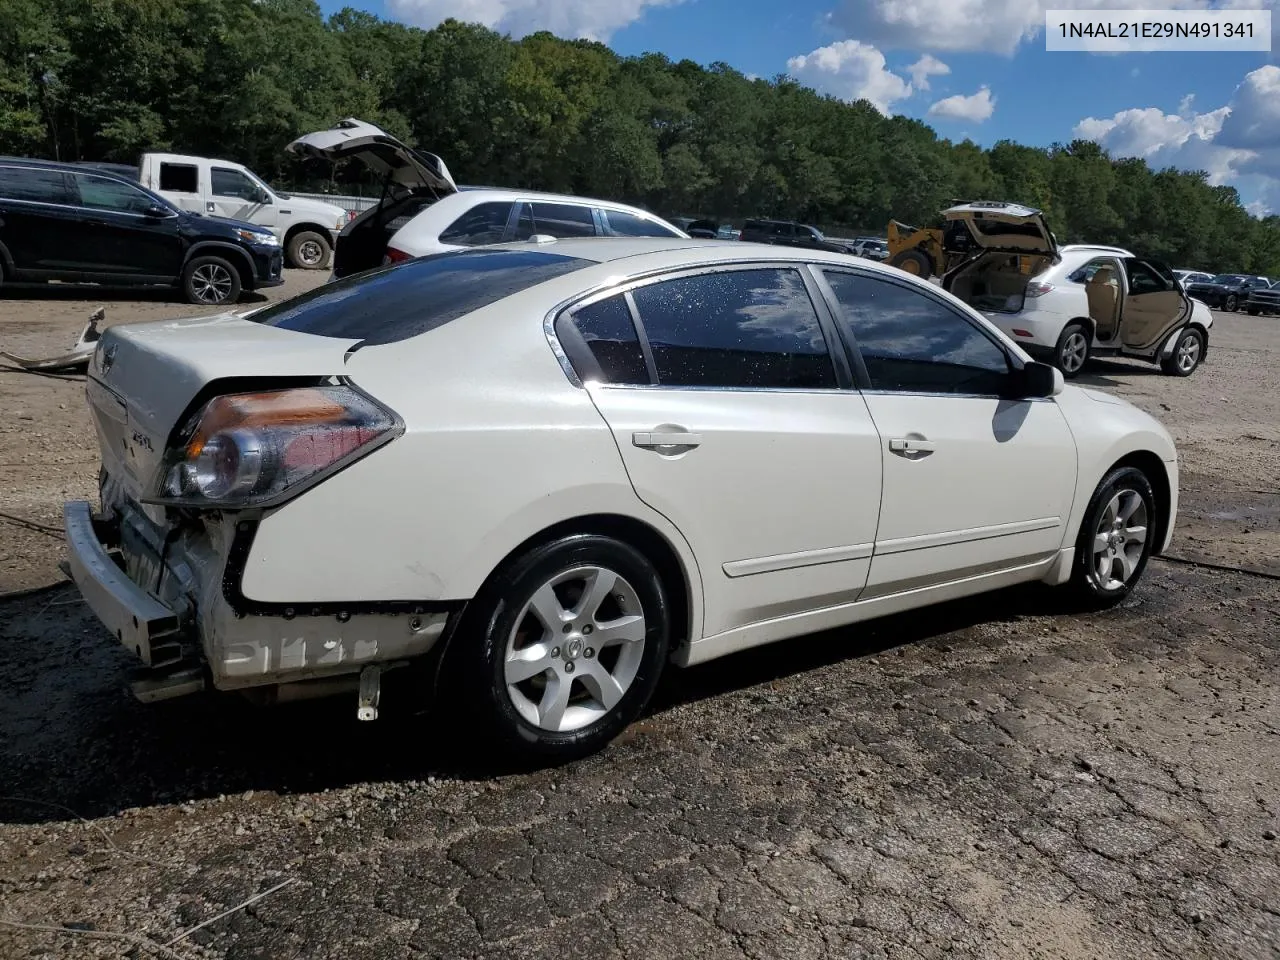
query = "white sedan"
x=550 y=469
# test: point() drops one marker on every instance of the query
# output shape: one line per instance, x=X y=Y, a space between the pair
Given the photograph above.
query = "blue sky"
x=969 y=68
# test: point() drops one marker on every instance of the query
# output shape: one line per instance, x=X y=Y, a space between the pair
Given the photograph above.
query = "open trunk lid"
x=1005 y=227
x=382 y=153
x=144 y=377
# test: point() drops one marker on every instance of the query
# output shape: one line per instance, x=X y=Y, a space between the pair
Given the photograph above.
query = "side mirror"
x=1038 y=381
x=156 y=212
x=263 y=197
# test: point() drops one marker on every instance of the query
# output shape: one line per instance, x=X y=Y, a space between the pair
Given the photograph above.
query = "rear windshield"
x=394 y=303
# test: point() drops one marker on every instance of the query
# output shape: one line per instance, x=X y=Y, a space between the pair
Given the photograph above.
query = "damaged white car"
x=556 y=467
x=1067 y=304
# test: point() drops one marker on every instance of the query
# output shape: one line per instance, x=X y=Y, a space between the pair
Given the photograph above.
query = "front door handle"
x=911 y=449
x=658 y=439
x=208 y=206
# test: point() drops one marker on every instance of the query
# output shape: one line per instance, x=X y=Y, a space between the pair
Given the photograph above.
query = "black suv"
x=77 y=223
x=788 y=233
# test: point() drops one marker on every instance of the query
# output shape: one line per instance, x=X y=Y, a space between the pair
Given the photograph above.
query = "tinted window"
x=102 y=194
x=555 y=220
x=622 y=224
x=395 y=303
x=179 y=177
x=480 y=225
x=740 y=328
x=1144 y=279
x=781 y=230
x=913 y=343
x=232 y=183
x=33 y=184
x=605 y=330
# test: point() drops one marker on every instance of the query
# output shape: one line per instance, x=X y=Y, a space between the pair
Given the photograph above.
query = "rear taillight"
x=396 y=256
x=252 y=449
x=1038 y=288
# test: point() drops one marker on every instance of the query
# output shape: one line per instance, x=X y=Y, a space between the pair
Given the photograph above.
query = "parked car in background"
x=788 y=233
x=562 y=466
x=702 y=229
x=728 y=232
x=305 y=228
x=78 y=224
x=873 y=248
x=424 y=211
x=1263 y=299
x=1226 y=291
x=1077 y=301
x=1192 y=276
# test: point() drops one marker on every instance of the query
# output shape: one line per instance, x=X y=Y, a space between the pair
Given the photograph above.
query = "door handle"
x=666 y=438
x=911 y=449
x=208 y=206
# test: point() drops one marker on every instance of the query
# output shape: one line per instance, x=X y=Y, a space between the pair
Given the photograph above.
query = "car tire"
x=1231 y=304
x=309 y=250
x=1116 y=539
x=210 y=281
x=914 y=262
x=599 y=666
x=1071 y=352
x=1187 y=353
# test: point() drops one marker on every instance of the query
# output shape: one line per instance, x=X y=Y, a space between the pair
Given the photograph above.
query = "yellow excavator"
x=932 y=251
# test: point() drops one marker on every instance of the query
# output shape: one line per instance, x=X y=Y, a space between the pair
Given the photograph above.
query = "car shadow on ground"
x=1099 y=373
x=97 y=751
x=91 y=293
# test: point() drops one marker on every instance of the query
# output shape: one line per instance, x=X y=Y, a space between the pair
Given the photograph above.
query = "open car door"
x=1154 y=306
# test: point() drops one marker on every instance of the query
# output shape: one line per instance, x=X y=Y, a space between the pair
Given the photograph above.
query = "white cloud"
x=994 y=26
x=589 y=19
x=924 y=68
x=976 y=107
x=851 y=70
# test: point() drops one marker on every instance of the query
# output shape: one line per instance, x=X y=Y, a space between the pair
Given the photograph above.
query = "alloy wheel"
x=1120 y=539
x=211 y=283
x=1074 y=350
x=575 y=649
x=1188 y=353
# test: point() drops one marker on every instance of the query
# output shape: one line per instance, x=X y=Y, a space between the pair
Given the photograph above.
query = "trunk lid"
x=382 y=153
x=1002 y=227
x=144 y=377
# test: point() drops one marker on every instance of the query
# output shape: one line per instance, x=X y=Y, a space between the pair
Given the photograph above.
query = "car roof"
x=516 y=193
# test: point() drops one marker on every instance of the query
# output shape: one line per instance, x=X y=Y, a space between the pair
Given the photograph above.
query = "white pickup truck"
x=307 y=229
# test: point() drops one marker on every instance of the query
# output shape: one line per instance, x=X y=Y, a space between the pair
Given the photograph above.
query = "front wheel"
x=210 y=281
x=573 y=636
x=1231 y=304
x=1072 y=350
x=1187 y=354
x=309 y=250
x=1116 y=538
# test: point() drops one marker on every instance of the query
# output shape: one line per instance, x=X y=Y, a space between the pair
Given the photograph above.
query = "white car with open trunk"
x=1067 y=304
x=549 y=469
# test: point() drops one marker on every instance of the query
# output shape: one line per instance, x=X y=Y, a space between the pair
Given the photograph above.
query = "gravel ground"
x=990 y=778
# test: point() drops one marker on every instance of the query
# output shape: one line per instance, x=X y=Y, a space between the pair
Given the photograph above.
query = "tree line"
x=238 y=79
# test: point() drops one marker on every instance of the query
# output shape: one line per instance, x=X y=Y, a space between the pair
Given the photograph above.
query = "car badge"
x=108 y=358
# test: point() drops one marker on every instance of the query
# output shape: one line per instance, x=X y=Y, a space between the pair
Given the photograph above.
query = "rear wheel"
x=1231 y=304
x=1188 y=351
x=572 y=640
x=1072 y=350
x=309 y=250
x=210 y=281
x=914 y=262
x=1116 y=538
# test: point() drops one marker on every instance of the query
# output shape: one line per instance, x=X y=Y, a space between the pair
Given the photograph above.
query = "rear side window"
x=33 y=184
x=619 y=223
x=604 y=331
x=555 y=220
x=179 y=177
x=482 y=224
x=735 y=328
x=395 y=303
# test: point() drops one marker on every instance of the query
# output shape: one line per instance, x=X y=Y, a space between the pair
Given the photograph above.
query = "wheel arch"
x=238 y=259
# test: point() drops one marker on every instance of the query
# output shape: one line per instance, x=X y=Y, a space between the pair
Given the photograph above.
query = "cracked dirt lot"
x=993 y=778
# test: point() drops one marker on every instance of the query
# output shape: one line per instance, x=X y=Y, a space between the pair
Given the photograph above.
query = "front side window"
x=735 y=328
x=33 y=185
x=619 y=223
x=912 y=343
x=483 y=224
x=226 y=182
x=605 y=330
x=102 y=194
x=179 y=177
x=560 y=220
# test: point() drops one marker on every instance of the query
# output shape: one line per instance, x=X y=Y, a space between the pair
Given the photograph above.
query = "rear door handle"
x=666 y=438
x=208 y=206
x=911 y=449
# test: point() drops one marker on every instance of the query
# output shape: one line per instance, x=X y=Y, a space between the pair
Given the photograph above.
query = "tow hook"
x=370 y=692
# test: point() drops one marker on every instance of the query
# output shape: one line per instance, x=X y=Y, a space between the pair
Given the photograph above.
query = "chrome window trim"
x=655 y=275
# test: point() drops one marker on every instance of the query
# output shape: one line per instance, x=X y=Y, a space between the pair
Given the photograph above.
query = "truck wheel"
x=309 y=250
x=210 y=281
x=913 y=262
x=1072 y=351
